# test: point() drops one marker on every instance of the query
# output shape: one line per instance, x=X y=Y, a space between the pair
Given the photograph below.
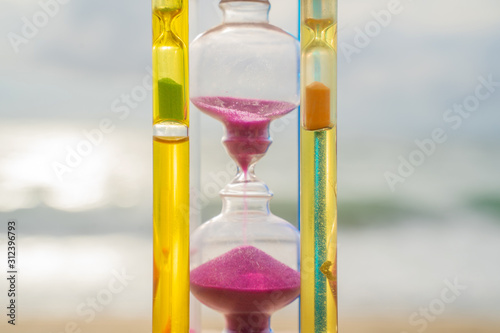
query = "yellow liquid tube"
x=318 y=167
x=170 y=167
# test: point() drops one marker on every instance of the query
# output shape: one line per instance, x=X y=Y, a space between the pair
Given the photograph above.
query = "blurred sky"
x=60 y=83
x=395 y=90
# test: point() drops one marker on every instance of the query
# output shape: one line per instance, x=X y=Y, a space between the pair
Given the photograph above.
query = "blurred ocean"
x=396 y=249
x=384 y=270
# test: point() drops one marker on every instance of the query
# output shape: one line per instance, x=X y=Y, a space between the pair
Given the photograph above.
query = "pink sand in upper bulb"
x=247 y=122
x=247 y=285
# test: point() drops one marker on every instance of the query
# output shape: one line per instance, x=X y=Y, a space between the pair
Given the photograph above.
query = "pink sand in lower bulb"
x=247 y=286
x=247 y=122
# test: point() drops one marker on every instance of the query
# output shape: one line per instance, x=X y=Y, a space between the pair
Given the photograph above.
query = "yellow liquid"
x=171 y=235
x=318 y=228
x=170 y=51
x=324 y=30
x=318 y=172
x=171 y=171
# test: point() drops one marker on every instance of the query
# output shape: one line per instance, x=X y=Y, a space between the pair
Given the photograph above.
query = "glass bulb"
x=245 y=261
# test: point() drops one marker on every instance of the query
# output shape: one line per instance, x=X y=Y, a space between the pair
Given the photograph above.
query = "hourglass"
x=244 y=73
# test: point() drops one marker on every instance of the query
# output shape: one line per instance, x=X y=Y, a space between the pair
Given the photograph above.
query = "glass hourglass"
x=244 y=73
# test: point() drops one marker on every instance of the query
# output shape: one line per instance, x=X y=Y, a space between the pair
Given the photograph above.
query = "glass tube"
x=318 y=171
x=170 y=167
x=244 y=73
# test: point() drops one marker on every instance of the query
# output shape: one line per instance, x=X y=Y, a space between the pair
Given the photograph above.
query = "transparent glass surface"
x=244 y=73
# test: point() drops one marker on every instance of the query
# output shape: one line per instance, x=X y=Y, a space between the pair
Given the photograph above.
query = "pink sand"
x=247 y=122
x=247 y=285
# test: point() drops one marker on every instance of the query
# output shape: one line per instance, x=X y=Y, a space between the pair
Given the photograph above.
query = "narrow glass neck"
x=257 y=206
x=246 y=185
x=245 y=11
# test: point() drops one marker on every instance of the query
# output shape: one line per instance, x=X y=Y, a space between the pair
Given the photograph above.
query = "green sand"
x=170 y=99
